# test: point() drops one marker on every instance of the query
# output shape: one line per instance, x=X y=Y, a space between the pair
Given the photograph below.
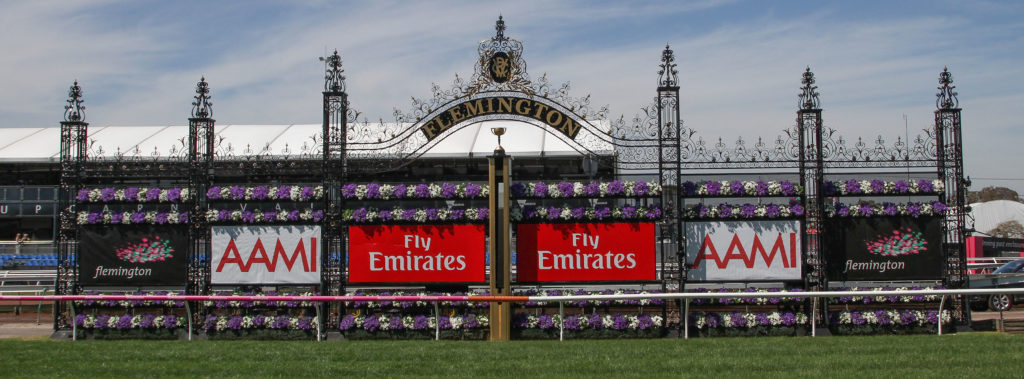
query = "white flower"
x=386 y=191
x=577 y=188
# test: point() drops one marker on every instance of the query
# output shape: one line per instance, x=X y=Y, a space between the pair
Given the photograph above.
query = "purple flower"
x=400 y=191
x=595 y=321
x=938 y=207
x=83 y=195
x=789 y=189
x=408 y=214
x=761 y=188
x=395 y=323
x=890 y=209
x=628 y=212
x=213 y=193
x=592 y=189
x=293 y=215
x=901 y=187
x=124 y=322
x=540 y=189
x=280 y=322
x=545 y=322
x=877 y=186
x=483 y=214
x=431 y=214
x=925 y=185
x=235 y=322
x=174 y=195
x=572 y=322
x=170 y=322
x=702 y=211
x=914 y=209
x=372 y=191
x=422 y=191
x=601 y=213
x=161 y=218
x=456 y=214
x=223 y=215
x=138 y=217
x=654 y=213
x=620 y=322
x=449 y=190
x=517 y=189
x=131 y=194
x=616 y=187
x=688 y=188
x=737 y=188
x=359 y=215
x=641 y=188
x=866 y=209
x=420 y=322
x=853 y=186
x=747 y=210
x=318 y=215
x=248 y=216
x=94 y=218
x=714 y=187
x=788 y=319
x=107 y=194
x=117 y=217
x=306 y=193
x=183 y=218
x=469 y=321
x=474 y=190
x=772 y=210
x=444 y=322
x=285 y=192
x=565 y=188
x=260 y=192
x=843 y=210
x=797 y=209
x=152 y=194
x=725 y=210
x=578 y=213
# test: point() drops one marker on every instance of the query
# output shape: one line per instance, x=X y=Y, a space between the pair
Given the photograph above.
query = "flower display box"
x=580 y=190
x=887 y=321
x=132 y=334
x=410 y=334
x=569 y=334
x=754 y=331
x=876 y=187
x=740 y=188
x=261 y=334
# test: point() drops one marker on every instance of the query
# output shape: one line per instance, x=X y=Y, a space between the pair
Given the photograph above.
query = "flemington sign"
x=533 y=108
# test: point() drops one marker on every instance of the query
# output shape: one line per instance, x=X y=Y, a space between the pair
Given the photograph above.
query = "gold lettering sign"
x=518 y=106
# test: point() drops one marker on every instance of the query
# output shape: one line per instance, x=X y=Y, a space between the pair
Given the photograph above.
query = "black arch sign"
x=509 y=105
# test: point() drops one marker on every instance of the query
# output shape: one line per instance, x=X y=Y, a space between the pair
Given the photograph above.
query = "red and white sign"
x=416 y=254
x=265 y=254
x=743 y=250
x=585 y=252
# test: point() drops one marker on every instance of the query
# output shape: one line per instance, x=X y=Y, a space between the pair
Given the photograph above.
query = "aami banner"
x=884 y=248
x=288 y=254
x=743 y=250
x=416 y=254
x=130 y=255
x=585 y=252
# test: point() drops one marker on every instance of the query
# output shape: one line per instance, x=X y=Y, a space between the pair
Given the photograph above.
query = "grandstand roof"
x=43 y=144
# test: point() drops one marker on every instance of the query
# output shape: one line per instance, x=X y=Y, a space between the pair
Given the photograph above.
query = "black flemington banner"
x=884 y=248
x=510 y=105
x=144 y=255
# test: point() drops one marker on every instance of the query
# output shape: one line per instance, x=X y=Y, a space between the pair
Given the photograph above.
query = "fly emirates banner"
x=416 y=254
x=586 y=252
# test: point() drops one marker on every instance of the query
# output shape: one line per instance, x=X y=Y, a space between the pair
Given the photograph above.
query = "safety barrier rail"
x=686 y=297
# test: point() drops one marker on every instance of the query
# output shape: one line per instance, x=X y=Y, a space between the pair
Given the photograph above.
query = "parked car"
x=1009 y=275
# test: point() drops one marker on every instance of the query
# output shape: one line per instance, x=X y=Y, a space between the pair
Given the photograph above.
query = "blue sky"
x=739 y=61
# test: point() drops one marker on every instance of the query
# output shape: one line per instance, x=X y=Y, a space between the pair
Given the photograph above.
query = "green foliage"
x=992 y=193
x=1008 y=229
x=964 y=355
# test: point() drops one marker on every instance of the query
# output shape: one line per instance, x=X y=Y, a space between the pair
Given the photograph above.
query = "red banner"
x=586 y=252
x=416 y=254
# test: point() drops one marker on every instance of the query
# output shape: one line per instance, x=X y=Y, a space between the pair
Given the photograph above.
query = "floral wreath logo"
x=148 y=250
x=899 y=243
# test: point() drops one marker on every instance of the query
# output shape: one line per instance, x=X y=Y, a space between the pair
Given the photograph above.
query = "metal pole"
x=188 y=315
x=74 y=324
x=561 y=321
x=814 y=317
x=319 y=325
x=437 y=323
x=686 y=320
x=942 y=304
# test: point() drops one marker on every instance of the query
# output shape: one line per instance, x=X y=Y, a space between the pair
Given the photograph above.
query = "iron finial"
x=946 y=98
x=809 y=91
x=334 y=79
x=667 y=74
x=201 y=106
x=500 y=27
x=74 y=110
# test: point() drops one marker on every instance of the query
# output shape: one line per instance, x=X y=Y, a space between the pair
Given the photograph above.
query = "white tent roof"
x=989 y=214
x=43 y=144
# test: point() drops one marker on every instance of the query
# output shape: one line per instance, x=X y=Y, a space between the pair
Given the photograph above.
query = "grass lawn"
x=980 y=355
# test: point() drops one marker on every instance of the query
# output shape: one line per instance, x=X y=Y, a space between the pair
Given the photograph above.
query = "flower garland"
x=752 y=300
x=594 y=321
x=712 y=320
x=879 y=187
x=864 y=209
x=579 y=189
x=740 y=188
x=887 y=299
x=888 y=317
x=284 y=193
x=222 y=304
x=127 y=218
x=419 y=191
x=131 y=303
x=260 y=216
x=126 y=322
x=134 y=194
x=551 y=213
x=370 y=215
x=730 y=211
x=383 y=322
x=236 y=322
